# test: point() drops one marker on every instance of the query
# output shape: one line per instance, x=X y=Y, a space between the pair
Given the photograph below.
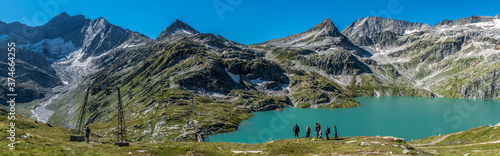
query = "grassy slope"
x=45 y=140
x=477 y=141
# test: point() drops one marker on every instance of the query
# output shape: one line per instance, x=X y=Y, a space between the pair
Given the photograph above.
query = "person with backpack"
x=327 y=132
x=308 y=132
x=335 y=132
x=296 y=131
x=87 y=133
x=320 y=135
x=318 y=130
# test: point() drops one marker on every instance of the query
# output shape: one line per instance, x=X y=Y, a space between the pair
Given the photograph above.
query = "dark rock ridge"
x=177 y=28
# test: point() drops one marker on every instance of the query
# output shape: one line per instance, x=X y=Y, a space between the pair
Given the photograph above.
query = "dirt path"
x=231 y=114
x=436 y=141
x=481 y=143
x=446 y=136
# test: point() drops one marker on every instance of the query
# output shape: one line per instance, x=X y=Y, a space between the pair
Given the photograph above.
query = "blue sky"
x=243 y=21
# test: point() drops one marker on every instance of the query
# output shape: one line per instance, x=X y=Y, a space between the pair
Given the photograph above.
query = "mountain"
x=366 y=31
x=70 y=43
x=65 y=34
x=186 y=83
x=201 y=79
x=58 y=54
x=452 y=59
x=178 y=28
x=322 y=37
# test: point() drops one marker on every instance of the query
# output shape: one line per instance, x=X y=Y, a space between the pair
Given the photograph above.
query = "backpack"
x=308 y=129
x=328 y=130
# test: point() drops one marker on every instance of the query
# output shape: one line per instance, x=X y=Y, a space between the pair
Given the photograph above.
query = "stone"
x=406 y=151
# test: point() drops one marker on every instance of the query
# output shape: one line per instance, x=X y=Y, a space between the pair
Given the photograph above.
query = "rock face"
x=362 y=31
x=453 y=58
x=34 y=75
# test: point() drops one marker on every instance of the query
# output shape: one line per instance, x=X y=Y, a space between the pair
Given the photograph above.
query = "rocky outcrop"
x=361 y=31
x=463 y=21
x=337 y=63
x=33 y=75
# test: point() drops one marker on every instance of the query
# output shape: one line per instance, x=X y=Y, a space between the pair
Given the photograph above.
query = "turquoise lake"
x=406 y=117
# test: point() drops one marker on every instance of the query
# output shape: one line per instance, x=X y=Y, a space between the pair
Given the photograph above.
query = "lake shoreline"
x=275 y=133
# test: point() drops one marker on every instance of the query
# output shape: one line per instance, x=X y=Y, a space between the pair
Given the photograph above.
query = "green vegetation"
x=313 y=89
x=42 y=139
x=477 y=141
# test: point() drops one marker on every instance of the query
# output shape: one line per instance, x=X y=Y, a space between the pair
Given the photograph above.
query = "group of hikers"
x=318 y=132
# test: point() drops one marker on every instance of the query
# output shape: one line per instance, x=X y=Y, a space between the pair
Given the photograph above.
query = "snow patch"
x=495 y=24
x=236 y=78
x=212 y=46
x=258 y=81
x=213 y=94
x=51 y=49
x=187 y=32
x=181 y=31
x=407 y=32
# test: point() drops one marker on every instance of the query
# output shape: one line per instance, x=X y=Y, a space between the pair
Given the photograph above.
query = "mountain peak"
x=327 y=20
x=63 y=14
x=327 y=23
x=65 y=18
x=327 y=28
x=177 y=28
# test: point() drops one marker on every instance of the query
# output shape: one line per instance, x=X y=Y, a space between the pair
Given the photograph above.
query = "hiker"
x=335 y=131
x=318 y=130
x=320 y=134
x=327 y=132
x=87 y=133
x=308 y=130
x=296 y=130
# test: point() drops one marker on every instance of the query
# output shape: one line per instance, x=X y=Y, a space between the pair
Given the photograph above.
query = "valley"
x=186 y=83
